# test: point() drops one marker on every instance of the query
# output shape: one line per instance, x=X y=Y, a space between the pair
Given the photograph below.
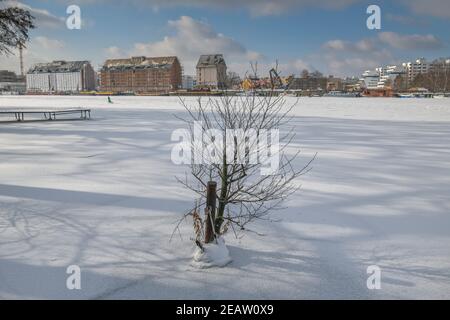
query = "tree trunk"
x=222 y=203
x=210 y=211
x=223 y=196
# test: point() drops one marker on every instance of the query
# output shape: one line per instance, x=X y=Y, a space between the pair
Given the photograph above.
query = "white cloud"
x=390 y=39
x=114 y=52
x=49 y=44
x=348 y=57
x=39 y=49
x=348 y=64
x=365 y=45
x=284 y=68
x=270 y=7
x=343 y=58
x=191 y=39
x=409 y=20
x=255 y=7
x=295 y=67
x=336 y=45
x=435 y=8
x=410 y=42
x=298 y=65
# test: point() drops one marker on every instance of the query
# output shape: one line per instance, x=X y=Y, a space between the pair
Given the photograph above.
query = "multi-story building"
x=413 y=69
x=389 y=74
x=188 y=82
x=9 y=76
x=352 y=84
x=401 y=77
x=309 y=83
x=370 y=79
x=141 y=75
x=10 y=83
x=211 y=71
x=316 y=82
x=335 y=84
x=61 y=77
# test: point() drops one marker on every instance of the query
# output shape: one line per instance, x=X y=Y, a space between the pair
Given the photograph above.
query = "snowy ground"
x=101 y=194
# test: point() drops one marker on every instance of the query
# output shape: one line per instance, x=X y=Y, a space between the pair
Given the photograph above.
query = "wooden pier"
x=19 y=114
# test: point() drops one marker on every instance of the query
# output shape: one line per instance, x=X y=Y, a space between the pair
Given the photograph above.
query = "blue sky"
x=329 y=36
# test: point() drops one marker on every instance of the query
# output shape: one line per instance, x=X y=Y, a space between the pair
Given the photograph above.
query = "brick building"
x=141 y=75
x=309 y=84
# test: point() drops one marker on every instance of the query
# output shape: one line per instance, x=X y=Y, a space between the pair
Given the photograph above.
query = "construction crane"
x=275 y=79
x=277 y=82
x=253 y=82
x=20 y=46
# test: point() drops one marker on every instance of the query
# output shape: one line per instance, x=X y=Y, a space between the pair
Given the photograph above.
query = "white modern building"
x=61 y=77
x=382 y=77
x=388 y=74
x=370 y=79
x=211 y=71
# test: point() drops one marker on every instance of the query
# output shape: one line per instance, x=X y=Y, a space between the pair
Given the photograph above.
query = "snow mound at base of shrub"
x=214 y=255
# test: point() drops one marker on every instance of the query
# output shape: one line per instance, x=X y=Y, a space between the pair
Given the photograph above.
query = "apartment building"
x=188 y=82
x=413 y=69
x=141 y=75
x=211 y=71
x=309 y=84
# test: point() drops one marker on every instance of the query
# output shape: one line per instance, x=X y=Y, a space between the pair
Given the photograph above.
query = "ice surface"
x=101 y=194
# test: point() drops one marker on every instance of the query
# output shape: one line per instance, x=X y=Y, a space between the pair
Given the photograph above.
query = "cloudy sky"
x=326 y=35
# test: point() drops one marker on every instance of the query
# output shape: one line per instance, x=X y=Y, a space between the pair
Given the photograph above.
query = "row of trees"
x=437 y=79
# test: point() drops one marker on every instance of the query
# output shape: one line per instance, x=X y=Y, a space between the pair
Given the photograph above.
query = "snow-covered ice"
x=213 y=254
x=101 y=194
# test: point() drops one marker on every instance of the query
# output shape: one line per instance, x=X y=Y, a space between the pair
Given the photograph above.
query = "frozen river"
x=102 y=194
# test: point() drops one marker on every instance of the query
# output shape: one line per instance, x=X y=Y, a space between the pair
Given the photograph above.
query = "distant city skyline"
x=329 y=36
